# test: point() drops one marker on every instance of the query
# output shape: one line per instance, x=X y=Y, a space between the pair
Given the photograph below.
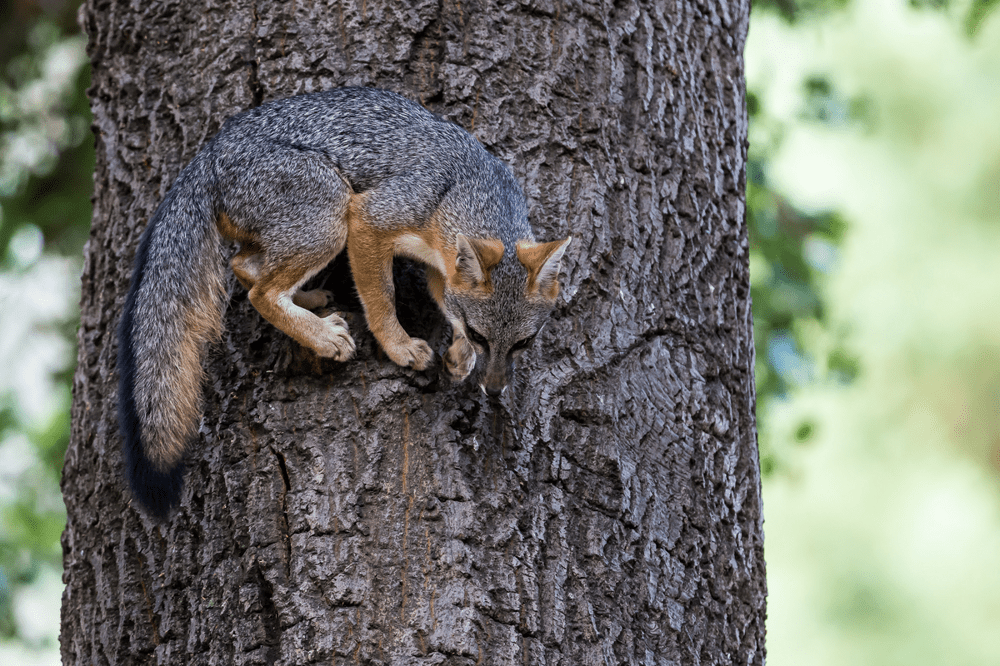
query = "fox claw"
x=415 y=354
x=336 y=342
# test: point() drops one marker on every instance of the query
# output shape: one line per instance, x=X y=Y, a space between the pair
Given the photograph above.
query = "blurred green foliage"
x=46 y=166
x=976 y=14
x=791 y=253
x=46 y=171
x=793 y=249
x=973 y=13
x=882 y=533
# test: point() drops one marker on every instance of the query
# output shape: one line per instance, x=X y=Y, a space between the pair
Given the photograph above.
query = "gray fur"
x=304 y=147
x=282 y=167
x=284 y=174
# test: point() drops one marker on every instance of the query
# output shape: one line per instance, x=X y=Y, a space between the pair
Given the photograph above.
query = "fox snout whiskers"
x=493 y=391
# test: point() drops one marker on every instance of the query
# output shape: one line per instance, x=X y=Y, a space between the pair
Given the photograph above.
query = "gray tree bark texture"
x=607 y=511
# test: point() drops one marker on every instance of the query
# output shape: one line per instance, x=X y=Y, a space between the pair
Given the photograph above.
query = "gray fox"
x=295 y=181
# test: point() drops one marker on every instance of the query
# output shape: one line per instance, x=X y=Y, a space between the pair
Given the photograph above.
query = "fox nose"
x=494 y=380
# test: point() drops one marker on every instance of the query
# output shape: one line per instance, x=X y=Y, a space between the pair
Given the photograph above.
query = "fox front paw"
x=334 y=340
x=460 y=359
x=312 y=299
x=414 y=354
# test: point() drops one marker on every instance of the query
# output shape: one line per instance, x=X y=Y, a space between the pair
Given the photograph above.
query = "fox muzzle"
x=493 y=381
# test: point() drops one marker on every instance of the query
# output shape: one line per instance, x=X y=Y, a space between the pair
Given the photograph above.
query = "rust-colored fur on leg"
x=247 y=265
x=274 y=279
x=370 y=251
x=273 y=296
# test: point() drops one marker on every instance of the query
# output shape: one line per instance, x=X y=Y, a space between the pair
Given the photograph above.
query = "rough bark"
x=607 y=512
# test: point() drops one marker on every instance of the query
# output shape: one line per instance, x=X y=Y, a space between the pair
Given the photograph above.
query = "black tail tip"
x=157 y=492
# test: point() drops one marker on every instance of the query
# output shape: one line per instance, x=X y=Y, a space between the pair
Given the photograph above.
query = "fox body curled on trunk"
x=296 y=181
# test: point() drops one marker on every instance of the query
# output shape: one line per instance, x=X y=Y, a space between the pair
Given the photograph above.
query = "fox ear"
x=542 y=261
x=476 y=257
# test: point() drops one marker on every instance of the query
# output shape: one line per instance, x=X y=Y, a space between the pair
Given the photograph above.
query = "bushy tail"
x=174 y=308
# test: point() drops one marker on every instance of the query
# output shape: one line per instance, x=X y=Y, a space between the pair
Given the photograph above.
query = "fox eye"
x=476 y=337
x=523 y=344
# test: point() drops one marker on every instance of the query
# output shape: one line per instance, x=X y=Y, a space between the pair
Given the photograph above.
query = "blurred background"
x=874 y=209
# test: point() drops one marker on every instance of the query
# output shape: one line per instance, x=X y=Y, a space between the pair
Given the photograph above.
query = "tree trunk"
x=607 y=511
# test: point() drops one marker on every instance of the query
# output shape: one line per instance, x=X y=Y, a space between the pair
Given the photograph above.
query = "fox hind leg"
x=274 y=296
x=278 y=296
x=289 y=211
x=247 y=265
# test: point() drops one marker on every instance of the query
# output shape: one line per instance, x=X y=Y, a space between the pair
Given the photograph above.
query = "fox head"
x=501 y=302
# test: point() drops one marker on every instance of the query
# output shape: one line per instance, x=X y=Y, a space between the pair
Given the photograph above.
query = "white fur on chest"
x=415 y=247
